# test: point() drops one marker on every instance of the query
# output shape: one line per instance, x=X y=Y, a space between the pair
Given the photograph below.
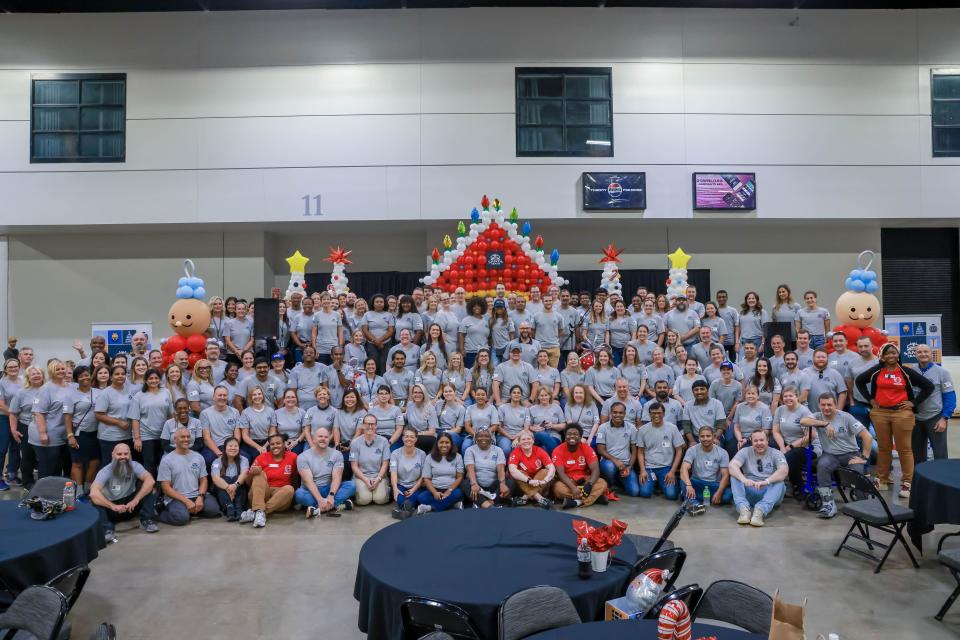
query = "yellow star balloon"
x=679 y=259
x=298 y=262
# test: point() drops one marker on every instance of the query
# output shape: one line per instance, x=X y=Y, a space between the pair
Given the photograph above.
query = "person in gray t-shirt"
x=757 y=473
x=406 y=467
x=486 y=471
x=322 y=488
x=659 y=450
x=121 y=490
x=705 y=466
x=183 y=480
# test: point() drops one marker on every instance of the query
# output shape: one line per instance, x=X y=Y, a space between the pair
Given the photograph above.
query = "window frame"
x=79 y=77
x=563 y=72
x=933 y=125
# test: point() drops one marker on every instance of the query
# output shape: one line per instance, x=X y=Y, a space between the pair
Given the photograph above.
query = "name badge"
x=274 y=465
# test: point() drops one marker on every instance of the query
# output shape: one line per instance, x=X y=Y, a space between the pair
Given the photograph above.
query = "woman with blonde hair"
x=48 y=431
x=218 y=320
x=21 y=419
x=201 y=386
x=429 y=375
x=173 y=381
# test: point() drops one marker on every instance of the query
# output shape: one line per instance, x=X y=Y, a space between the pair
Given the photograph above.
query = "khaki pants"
x=263 y=497
x=554 y=355
x=529 y=491
x=562 y=491
x=380 y=495
x=894 y=427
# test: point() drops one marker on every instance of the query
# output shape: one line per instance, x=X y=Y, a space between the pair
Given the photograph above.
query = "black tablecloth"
x=934 y=497
x=34 y=551
x=636 y=630
x=474 y=559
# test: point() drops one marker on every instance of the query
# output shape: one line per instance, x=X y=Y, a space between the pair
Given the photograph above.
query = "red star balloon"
x=610 y=254
x=338 y=256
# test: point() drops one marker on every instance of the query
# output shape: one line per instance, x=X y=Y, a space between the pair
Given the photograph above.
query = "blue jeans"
x=766 y=499
x=698 y=486
x=630 y=484
x=817 y=341
x=861 y=412
x=656 y=477
x=506 y=444
x=547 y=440
x=346 y=491
x=469 y=359
x=13 y=462
x=425 y=497
x=617 y=355
x=402 y=499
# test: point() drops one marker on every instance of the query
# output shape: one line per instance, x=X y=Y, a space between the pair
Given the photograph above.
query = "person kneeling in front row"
x=183 y=479
x=271 y=482
x=117 y=496
x=757 y=473
x=322 y=487
x=706 y=466
x=578 y=471
x=837 y=432
x=442 y=474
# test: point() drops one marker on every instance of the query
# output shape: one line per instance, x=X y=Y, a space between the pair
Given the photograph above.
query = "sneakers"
x=408 y=507
x=149 y=526
x=348 y=505
x=13 y=481
x=312 y=512
x=828 y=510
x=904 y=490
x=520 y=501
x=4 y=486
x=757 y=519
x=544 y=503
x=247 y=516
x=570 y=503
x=880 y=485
x=458 y=505
x=109 y=537
x=259 y=519
x=489 y=495
x=399 y=514
x=744 y=516
x=424 y=508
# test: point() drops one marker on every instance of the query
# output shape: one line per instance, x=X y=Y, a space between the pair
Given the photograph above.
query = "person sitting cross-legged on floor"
x=322 y=487
x=121 y=490
x=183 y=479
x=838 y=431
x=706 y=466
x=659 y=451
x=532 y=470
x=578 y=471
x=757 y=473
x=271 y=481
x=442 y=474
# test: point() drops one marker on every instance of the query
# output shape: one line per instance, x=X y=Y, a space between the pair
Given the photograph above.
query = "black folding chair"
x=38 y=610
x=646 y=545
x=521 y=613
x=736 y=603
x=667 y=560
x=951 y=560
x=864 y=503
x=70 y=583
x=421 y=616
x=690 y=595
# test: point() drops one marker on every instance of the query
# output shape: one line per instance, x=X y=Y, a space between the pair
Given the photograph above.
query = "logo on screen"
x=614 y=189
x=495 y=260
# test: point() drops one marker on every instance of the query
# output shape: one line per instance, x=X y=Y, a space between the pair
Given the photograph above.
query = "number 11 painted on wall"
x=306 y=206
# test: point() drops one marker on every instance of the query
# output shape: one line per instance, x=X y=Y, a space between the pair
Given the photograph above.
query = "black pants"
x=380 y=355
x=152 y=451
x=425 y=443
x=924 y=432
x=797 y=463
x=28 y=459
x=52 y=461
x=147 y=510
x=231 y=507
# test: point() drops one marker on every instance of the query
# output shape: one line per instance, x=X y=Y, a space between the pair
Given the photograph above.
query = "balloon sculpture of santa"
x=857 y=308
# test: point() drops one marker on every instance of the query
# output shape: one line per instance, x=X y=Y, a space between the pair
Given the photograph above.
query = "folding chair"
x=873 y=511
x=646 y=545
x=951 y=560
x=690 y=595
x=522 y=613
x=421 y=616
x=738 y=604
x=70 y=583
x=667 y=560
x=38 y=610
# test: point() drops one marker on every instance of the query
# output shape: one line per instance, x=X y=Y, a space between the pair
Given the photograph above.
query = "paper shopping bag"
x=787 y=619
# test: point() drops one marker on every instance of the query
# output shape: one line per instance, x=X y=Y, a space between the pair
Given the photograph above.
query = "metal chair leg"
x=844 y=541
x=944 y=537
x=903 y=541
x=949 y=603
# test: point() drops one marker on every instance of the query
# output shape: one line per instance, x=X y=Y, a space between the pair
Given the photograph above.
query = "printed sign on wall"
x=908 y=331
x=118 y=334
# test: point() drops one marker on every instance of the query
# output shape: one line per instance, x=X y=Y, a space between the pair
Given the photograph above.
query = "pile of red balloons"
x=470 y=271
x=855 y=333
x=194 y=345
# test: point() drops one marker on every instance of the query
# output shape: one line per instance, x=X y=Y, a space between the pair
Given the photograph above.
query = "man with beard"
x=183 y=479
x=684 y=321
x=793 y=377
x=121 y=490
x=673 y=410
x=578 y=471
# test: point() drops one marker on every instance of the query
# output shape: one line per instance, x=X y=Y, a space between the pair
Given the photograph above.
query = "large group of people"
x=435 y=401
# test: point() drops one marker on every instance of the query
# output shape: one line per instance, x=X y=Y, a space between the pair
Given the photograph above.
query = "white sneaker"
x=424 y=508
x=489 y=495
x=259 y=519
x=247 y=516
x=757 y=519
x=744 y=516
x=828 y=510
x=311 y=512
x=458 y=504
x=904 y=490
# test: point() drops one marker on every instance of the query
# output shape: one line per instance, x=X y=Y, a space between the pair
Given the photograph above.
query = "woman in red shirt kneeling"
x=532 y=470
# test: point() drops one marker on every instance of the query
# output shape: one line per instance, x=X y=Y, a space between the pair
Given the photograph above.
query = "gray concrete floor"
x=294 y=579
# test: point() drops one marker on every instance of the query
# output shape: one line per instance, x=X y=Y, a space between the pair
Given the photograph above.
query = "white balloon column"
x=677 y=282
x=298 y=266
x=610 y=278
x=338 y=277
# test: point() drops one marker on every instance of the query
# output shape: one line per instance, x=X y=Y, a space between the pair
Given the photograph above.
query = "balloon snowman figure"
x=857 y=308
x=189 y=318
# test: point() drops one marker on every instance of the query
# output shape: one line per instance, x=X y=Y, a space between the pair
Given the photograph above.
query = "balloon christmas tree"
x=338 y=277
x=298 y=266
x=610 y=278
x=493 y=250
x=677 y=281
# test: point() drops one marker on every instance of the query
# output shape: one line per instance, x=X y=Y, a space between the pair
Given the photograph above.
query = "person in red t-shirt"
x=532 y=470
x=578 y=471
x=271 y=485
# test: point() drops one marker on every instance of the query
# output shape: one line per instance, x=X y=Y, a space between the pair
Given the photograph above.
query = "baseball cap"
x=499 y=304
x=278 y=356
x=726 y=364
x=515 y=347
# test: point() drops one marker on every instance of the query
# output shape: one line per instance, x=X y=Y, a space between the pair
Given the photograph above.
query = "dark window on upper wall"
x=564 y=112
x=945 y=107
x=78 y=117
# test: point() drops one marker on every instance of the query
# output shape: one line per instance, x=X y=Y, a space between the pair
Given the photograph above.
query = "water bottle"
x=706 y=496
x=69 y=496
x=584 y=570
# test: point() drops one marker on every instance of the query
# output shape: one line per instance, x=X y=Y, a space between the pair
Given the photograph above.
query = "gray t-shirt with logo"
x=485 y=463
x=617 y=439
x=658 y=444
x=846 y=429
x=320 y=464
x=705 y=465
x=183 y=472
x=442 y=473
x=756 y=467
x=408 y=468
x=114 y=489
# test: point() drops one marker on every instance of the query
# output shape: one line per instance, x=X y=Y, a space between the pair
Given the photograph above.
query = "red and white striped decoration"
x=674 y=622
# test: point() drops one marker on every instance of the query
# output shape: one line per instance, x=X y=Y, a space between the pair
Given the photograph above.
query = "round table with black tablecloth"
x=34 y=551
x=474 y=559
x=934 y=497
x=636 y=630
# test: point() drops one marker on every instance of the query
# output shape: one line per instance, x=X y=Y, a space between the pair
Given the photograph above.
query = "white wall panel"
x=274 y=91
x=14 y=95
x=741 y=139
x=467 y=88
x=938 y=191
x=648 y=87
x=937 y=36
x=800 y=89
x=309 y=141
